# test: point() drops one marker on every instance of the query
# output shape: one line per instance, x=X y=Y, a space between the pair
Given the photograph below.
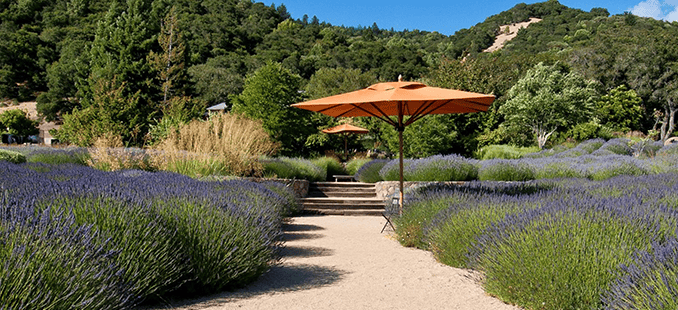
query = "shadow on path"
x=279 y=279
x=305 y=252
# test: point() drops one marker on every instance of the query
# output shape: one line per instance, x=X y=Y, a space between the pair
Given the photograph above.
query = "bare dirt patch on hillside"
x=505 y=36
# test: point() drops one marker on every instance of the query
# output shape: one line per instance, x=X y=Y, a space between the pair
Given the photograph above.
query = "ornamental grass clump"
x=441 y=168
x=505 y=170
x=108 y=154
x=226 y=144
x=370 y=171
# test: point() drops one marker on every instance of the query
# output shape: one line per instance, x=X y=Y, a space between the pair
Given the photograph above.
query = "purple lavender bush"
x=158 y=234
x=441 y=168
x=556 y=244
x=391 y=171
x=505 y=170
x=649 y=281
x=369 y=171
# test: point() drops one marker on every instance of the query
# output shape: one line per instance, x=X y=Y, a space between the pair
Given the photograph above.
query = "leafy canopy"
x=548 y=98
x=267 y=96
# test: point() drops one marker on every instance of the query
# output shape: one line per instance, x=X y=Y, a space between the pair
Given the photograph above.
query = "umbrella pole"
x=345 y=148
x=400 y=140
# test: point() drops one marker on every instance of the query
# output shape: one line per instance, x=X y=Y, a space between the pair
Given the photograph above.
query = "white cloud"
x=657 y=9
x=672 y=16
x=649 y=8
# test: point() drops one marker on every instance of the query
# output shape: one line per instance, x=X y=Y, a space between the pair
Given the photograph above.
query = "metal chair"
x=390 y=210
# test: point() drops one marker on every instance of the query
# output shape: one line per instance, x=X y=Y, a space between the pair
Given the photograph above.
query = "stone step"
x=355 y=194
x=345 y=212
x=344 y=200
x=335 y=206
x=342 y=184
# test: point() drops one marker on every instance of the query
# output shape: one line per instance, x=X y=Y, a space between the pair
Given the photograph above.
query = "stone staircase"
x=342 y=198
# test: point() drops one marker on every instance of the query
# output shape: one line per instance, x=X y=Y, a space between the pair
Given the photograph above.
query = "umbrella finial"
x=400 y=78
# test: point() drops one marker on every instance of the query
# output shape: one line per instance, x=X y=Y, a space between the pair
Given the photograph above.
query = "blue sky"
x=447 y=17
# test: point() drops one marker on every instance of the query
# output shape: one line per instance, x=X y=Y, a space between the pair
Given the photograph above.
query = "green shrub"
x=590 y=130
x=503 y=152
x=292 y=207
x=12 y=157
x=59 y=157
x=416 y=216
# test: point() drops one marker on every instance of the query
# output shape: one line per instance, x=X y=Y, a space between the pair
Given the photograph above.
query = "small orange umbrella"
x=345 y=129
x=399 y=99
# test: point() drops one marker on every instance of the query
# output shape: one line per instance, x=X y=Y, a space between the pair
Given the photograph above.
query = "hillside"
x=507 y=33
x=65 y=58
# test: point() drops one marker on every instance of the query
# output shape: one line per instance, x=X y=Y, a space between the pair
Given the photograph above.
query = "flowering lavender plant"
x=441 y=168
x=132 y=235
x=369 y=172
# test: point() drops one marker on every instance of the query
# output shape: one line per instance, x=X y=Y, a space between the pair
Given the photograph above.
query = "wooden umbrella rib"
x=418 y=114
x=383 y=118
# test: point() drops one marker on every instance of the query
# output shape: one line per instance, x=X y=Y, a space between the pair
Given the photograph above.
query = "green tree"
x=16 y=122
x=547 y=99
x=169 y=63
x=119 y=69
x=620 y=109
x=112 y=113
x=432 y=135
x=267 y=96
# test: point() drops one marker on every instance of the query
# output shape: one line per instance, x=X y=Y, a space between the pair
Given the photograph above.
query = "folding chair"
x=390 y=210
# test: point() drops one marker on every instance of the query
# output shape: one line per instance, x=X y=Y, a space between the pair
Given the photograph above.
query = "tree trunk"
x=543 y=136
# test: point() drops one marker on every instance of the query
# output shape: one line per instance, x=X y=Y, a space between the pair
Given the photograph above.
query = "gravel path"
x=340 y=262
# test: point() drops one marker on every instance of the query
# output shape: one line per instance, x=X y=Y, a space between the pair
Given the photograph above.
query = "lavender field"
x=72 y=237
x=557 y=244
x=595 y=159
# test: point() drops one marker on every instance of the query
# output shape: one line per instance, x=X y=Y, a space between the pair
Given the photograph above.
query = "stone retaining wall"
x=387 y=189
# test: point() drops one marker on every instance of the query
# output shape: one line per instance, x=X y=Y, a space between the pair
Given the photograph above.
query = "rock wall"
x=299 y=187
x=386 y=189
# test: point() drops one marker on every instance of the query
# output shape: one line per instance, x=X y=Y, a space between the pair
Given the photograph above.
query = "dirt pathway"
x=334 y=262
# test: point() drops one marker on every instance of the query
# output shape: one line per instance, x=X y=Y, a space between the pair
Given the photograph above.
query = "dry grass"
x=227 y=144
x=109 y=154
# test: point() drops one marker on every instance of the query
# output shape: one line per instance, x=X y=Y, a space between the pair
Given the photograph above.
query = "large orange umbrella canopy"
x=399 y=99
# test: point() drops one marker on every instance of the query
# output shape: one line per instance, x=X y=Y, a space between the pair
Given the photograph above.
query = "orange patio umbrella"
x=399 y=99
x=345 y=129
